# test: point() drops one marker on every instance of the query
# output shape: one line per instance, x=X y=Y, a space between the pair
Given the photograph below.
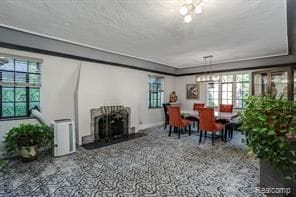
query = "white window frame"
x=159 y=92
x=234 y=84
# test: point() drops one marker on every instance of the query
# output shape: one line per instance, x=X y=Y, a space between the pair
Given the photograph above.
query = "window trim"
x=218 y=91
x=161 y=91
x=26 y=85
x=228 y=90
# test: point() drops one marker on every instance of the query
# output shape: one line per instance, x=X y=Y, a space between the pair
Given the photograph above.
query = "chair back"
x=165 y=109
x=175 y=118
x=198 y=105
x=206 y=119
x=225 y=108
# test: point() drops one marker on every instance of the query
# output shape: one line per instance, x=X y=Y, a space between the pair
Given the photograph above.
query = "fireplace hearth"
x=108 y=123
x=111 y=124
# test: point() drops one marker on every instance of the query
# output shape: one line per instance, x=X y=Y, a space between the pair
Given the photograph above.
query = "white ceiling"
x=153 y=30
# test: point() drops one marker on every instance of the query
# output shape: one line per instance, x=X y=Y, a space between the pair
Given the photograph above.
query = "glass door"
x=260 y=85
x=279 y=84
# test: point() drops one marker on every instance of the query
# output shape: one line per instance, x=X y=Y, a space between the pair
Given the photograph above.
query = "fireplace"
x=110 y=122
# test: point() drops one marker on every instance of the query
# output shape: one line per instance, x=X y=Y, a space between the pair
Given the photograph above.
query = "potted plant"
x=27 y=139
x=270 y=128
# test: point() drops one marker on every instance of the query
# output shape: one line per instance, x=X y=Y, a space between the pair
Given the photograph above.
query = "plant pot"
x=272 y=177
x=291 y=137
x=29 y=153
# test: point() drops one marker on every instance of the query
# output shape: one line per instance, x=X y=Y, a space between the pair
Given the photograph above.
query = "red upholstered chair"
x=176 y=121
x=198 y=105
x=166 y=114
x=194 y=118
x=225 y=108
x=207 y=123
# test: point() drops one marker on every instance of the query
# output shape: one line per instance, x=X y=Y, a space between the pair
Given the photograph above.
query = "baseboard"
x=150 y=125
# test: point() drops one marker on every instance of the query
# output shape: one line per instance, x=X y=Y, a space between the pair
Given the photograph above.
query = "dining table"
x=218 y=115
x=228 y=116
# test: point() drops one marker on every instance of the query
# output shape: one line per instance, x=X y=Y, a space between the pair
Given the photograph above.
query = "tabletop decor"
x=173 y=97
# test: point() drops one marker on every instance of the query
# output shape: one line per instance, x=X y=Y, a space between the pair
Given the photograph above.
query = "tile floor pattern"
x=153 y=165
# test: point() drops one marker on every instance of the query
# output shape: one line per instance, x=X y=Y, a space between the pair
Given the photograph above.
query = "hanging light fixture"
x=3 y=61
x=209 y=77
x=190 y=7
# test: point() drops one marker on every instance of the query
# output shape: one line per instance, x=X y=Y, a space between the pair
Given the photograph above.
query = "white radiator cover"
x=64 y=137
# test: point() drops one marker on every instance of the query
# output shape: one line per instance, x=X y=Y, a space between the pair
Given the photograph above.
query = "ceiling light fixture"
x=183 y=11
x=198 y=9
x=188 y=1
x=191 y=6
x=3 y=61
x=187 y=19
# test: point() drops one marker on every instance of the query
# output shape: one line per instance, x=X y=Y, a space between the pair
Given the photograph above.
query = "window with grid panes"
x=213 y=95
x=155 y=91
x=19 y=87
x=226 y=89
x=242 y=85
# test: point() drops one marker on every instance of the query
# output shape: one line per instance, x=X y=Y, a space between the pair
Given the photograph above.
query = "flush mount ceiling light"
x=189 y=7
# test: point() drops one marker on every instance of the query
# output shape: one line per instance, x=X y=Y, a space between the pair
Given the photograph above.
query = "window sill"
x=154 y=107
x=16 y=118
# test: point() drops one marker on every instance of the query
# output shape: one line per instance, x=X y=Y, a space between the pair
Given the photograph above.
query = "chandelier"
x=3 y=61
x=189 y=7
x=209 y=77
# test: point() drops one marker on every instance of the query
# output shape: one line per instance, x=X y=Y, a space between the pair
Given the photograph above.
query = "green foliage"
x=266 y=121
x=28 y=135
x=2 y=164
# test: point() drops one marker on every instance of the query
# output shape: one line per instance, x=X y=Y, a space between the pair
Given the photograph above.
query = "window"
x=226 y=89
x=213 y=94
x=155 y=91
x=231 y=89
x=19 y=87
x=242 y=83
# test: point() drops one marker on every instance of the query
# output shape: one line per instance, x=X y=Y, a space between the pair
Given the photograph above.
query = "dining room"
x=148 y=98
x=241 y=109
x=223 y=97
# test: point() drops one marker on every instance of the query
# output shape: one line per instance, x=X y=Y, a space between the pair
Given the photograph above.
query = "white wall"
x=57 y=91
x=98 y=85
x=181 y=92
x=104 y=85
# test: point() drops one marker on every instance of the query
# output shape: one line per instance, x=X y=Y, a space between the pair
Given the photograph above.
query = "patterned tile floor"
x=153 y=165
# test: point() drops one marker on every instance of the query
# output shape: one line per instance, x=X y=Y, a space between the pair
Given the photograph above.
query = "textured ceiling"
x=153 y=30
